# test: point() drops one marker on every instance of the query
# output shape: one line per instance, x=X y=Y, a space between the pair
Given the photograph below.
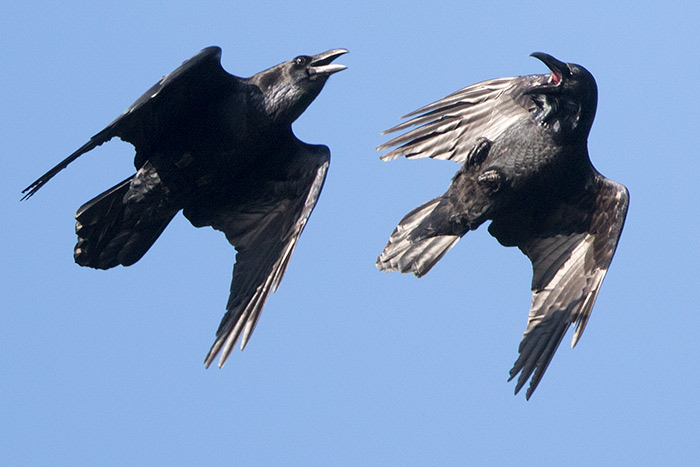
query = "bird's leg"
x=492 y=180
x=478 y=152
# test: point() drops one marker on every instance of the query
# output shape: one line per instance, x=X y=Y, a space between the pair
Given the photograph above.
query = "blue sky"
x=348 y=365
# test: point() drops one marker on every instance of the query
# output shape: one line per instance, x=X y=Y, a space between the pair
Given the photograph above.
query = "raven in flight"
x=221 y=149
x=522 y=143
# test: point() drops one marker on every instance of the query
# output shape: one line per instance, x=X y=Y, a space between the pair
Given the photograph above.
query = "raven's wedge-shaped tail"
x=410 y=249
x=120 y=225
x=425 y=234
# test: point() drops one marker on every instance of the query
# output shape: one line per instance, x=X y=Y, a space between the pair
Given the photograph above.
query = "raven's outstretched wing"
x=265 y=232
x=198 y=80
x=569 y=264
x=449 y=128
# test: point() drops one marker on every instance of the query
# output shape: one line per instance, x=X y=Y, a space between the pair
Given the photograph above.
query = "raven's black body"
x=522 y=143
x=221 y=149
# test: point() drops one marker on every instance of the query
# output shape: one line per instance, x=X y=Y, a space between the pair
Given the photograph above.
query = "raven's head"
x=290 y=87
x=567 y=100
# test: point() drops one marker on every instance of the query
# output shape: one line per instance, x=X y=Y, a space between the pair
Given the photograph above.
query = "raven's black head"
x=567 y=100
x=290 y=87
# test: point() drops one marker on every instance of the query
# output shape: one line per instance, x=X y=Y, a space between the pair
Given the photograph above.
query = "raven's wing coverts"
x=449 y=128
x=568 y=270
x=197 y=80
x=265 y=232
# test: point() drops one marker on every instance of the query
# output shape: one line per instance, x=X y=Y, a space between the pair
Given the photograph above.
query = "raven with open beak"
x=221 y=149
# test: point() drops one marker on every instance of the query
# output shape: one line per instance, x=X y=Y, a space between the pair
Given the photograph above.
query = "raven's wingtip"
x=208 y=360
x=29 y=191
x=390 y=156
x=529 y=392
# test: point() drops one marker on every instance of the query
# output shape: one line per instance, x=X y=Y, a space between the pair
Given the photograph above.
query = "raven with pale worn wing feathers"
x=522 y=143
x=221 y=149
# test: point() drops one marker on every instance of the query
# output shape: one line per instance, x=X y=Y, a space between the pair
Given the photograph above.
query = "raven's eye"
x=300 y=61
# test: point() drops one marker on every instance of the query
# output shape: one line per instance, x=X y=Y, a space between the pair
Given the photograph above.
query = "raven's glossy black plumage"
x=221 y=149
x=522 y=143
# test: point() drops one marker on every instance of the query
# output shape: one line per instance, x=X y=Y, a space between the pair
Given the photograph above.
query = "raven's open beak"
x=559 y=69
x=321 y=63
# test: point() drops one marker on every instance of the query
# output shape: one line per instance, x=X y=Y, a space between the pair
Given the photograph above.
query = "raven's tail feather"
x=408 y=250
x=112 y=232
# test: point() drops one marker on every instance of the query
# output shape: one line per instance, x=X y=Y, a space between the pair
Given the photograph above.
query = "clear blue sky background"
x=349 y=365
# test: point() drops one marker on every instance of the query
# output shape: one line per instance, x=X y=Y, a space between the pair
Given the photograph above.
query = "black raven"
x=221 y=148
x=522 y=143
